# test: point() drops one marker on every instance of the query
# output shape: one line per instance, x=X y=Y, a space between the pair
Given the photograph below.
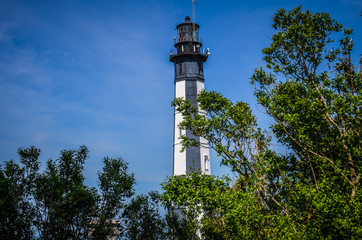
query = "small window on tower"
x=178 y=69
x=200 y=67
x=206 y=162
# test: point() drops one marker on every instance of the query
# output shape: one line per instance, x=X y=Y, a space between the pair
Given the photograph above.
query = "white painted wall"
x=179 y=158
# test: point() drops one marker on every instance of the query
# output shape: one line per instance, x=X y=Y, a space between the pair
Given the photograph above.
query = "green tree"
x=145 y=218
x=64 y=205
x=142 y=218
x=116 y=186
x=322 y=121
x=313 y=92
x=181 y=228
x=56 y=204
x=16 y=213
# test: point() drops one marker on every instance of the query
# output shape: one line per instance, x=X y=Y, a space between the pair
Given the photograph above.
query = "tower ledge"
x=203 y=56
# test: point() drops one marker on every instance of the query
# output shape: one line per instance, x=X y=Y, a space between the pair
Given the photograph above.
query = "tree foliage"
x=322 y=121
x=116 y=186
x=15 y=211
x=313 y=92
x=143 y=219
x=55 y=203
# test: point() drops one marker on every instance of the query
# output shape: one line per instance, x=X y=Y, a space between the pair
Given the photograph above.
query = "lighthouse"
x=188 y=57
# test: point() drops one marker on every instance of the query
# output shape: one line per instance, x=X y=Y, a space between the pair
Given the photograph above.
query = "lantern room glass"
x=185 y=33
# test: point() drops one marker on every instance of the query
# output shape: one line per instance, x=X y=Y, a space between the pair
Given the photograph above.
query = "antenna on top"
x=193 y=19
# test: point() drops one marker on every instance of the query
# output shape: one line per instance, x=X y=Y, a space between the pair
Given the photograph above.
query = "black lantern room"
x=188 y=41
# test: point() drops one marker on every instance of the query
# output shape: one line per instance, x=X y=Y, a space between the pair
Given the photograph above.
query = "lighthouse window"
x=206 y=162
x=200 y=67
x=178 y=69
x=185 y=33
x=183 y=69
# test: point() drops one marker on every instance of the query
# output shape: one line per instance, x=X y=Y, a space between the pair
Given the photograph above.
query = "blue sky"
x=96 y=73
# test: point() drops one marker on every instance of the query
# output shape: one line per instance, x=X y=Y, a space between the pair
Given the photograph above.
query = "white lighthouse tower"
x=188 y=58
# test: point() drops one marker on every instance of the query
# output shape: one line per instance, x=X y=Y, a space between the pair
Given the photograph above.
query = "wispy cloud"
x=96 y=73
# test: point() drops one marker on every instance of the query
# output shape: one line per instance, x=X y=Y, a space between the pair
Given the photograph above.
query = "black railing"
x=204 y=51
x=188 y=39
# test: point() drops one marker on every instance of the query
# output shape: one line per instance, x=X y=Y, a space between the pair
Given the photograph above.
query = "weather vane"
x=193 y=18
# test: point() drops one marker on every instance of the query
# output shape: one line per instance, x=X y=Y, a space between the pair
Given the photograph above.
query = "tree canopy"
x=55 y=203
